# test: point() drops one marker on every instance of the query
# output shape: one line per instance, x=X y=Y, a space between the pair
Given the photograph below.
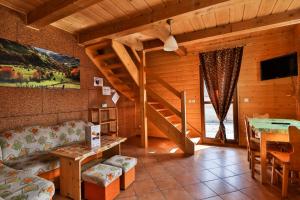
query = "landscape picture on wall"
x=27 y=66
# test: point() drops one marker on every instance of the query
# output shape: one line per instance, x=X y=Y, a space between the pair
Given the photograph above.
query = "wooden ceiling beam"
x=54 y=10
x=229 y=30
x=146 y=21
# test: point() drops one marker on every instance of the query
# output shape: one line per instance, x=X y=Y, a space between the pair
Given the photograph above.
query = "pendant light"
x=170 y=43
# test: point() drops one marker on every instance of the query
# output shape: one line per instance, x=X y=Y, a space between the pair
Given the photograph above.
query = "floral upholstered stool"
x=128 y=167
x=101 y=182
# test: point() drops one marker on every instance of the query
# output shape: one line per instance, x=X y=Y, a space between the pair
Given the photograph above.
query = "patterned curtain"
x=220 y=70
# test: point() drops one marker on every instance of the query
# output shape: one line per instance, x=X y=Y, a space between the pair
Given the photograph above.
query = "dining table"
x=73 y=157
x=270 y=130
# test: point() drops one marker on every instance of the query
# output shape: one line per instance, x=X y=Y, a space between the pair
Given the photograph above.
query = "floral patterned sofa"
x=28 y=148
x=15 y=184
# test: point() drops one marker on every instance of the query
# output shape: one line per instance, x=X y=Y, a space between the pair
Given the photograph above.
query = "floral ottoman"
x=101 y=182
x=128 y=166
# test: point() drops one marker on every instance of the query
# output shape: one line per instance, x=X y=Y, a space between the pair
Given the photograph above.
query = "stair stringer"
x=183 y=142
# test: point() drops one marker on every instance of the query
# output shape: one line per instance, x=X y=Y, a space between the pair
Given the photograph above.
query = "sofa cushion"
x=33 y=139
x=124 y=162
x=101 y=174
x=15 y=184
x=35 y=164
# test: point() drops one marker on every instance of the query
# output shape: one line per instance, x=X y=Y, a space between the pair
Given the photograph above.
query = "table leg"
x=263 y=158
x=70 y=178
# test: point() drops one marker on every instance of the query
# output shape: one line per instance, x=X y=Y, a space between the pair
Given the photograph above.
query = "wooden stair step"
x=105 y=56
x=161 y=109
x=176 y=124
x=153 y=102
x=119 y=75
x=114 y=66
x=98 y=46
x=169 y=116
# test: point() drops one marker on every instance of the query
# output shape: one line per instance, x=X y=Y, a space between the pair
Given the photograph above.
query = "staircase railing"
x=179 y=94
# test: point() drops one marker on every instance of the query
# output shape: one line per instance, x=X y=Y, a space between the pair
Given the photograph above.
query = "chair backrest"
x=247 y=130
x=294 y=138
x=258 y=115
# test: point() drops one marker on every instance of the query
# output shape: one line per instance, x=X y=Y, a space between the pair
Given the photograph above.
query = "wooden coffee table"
x=71 y=158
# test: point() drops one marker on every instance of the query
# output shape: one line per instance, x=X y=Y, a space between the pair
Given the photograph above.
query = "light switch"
x=246 y=100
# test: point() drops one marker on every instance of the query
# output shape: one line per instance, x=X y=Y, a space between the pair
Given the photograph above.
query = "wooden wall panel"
x=273 y=96
x=23 y=107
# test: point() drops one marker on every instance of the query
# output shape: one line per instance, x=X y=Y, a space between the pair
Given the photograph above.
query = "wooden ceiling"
x=135 y=22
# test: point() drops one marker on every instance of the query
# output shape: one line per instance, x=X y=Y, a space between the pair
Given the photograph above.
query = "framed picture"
x=27 y=66
x=98 y=81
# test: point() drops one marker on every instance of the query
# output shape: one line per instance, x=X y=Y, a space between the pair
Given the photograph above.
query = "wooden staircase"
x=168 y=119
x=118 y=66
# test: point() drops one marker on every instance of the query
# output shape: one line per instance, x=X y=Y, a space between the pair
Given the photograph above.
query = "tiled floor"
x=213 y=173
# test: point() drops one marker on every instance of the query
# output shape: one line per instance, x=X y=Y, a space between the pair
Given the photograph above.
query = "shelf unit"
x=107 y=118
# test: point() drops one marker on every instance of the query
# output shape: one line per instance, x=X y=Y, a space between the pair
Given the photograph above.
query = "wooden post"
x=143 y=101
x=183 y=116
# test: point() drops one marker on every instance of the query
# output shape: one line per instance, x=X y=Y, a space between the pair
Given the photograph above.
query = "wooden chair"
x=258 y=115
x=253 y=148
x=283 y=162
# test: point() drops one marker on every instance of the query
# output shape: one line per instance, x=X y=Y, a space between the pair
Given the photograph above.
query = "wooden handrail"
x=162 y=101
x=165 y=84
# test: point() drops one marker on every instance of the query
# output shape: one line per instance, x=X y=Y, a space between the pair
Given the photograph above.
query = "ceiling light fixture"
x=170 y=43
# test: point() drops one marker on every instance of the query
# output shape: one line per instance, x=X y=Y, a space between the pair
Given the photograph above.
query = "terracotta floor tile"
x=205 y=175
x=262 y=193
x=152 y=196
x=166 y=183
x=129 y=192
x=186 y=179
x=220 y=187
x=145 y=186
x=176 y=194
x=199 y=191
x=239 y=182
x=235 y=196
x=215 y=198
x=221 y=172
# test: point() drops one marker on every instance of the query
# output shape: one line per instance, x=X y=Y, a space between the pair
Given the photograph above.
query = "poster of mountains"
x=32 y=67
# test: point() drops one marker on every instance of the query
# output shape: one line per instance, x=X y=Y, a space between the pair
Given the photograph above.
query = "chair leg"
x=285 y=178
x=274 y=177
x=252 y=160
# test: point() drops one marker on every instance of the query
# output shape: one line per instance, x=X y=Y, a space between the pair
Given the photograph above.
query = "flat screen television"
x=279 y=67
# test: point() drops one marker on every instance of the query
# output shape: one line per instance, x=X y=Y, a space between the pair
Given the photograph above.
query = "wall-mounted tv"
x=279 y=67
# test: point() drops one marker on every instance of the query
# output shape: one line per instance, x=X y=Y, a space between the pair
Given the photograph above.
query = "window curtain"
x=220 y=70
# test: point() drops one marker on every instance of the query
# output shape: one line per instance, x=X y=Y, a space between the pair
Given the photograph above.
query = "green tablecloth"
x=272 y=125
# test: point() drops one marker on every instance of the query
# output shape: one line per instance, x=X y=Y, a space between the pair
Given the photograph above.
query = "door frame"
x=235 y=118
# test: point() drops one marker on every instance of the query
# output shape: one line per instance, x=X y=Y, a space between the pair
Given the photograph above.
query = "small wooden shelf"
x=107 y=118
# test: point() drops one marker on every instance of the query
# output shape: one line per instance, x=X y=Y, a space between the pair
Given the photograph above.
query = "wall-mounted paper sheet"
x=115 y=97
x=106 y=90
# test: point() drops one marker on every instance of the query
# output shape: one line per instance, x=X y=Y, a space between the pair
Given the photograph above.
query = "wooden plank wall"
x=273 y=97
x=297 y=47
